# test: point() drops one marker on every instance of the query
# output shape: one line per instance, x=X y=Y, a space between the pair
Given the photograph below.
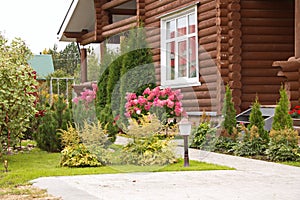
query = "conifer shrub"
x=228 y=113
x=256 y=119
x=282 y=119
x=129 y=71
x=56 y=117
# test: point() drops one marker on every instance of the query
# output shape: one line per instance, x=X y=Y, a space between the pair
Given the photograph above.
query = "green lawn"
x=24 y=167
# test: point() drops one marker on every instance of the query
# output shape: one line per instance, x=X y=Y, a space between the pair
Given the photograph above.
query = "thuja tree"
x=228 y=112
x=17 y=91
x=137 y=72
x=123 y=73
x=256 y=119
x=282 y=119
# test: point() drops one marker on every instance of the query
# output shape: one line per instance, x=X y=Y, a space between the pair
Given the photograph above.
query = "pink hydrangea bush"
x=87 y=96
x=167 y=99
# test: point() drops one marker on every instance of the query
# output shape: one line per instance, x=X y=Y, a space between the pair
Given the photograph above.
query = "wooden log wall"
x=267 y=36
x=198 y=98
x=102 y=18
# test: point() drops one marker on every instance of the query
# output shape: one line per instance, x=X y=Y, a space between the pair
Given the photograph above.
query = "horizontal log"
x=209 y=78
x=279 y=39
x=266 y=55
x=270 y=47
x=287 y=66
x=208 y=39
x=223 y=38
x=119 y=30
x=120 y=23
x=262 y=80
x=279 y=14
x=207 y=23
x=210 y=46
x=223 y=64
x=208 y=70
x=151 y=11
x=267 y=22
x=220 y=12
x=155 y=24
x=113 y=3
x=266 y=89
x=293 y=95
x=153 y=38
x=293 y=85
x=156 y=4
x=207 y=31
x=202 y=88
x=256 y=63
x=198 y=102
x=267 y=5
x=199 y=95
x=250 y=30
x=261 y=97
x=208 y=55
x=207 y=15
x=260 y=72
x=291 y=76
x=207 y=63
x=221 y=21
x=199 y=108
x=207 y=7
x=156 y=58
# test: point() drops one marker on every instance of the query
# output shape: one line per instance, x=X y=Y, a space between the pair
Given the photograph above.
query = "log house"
x=252 y=45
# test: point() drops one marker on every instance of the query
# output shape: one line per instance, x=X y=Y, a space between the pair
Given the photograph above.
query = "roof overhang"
x=80 y=19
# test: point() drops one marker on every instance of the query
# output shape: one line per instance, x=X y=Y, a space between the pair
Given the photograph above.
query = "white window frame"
x=178 y=81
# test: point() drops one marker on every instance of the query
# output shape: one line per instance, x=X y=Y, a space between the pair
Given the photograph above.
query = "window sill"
x=180 y=85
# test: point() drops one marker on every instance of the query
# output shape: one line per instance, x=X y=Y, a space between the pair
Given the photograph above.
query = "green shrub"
x=203 y=136
x=282 y=118
x=147 y=148
x=78 y=156
x=283 y=145
x=251 y=143
x=228 y=113
x=256 y=119
x=56 y=117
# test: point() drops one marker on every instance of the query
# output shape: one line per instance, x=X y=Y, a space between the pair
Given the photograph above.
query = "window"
x=179 y=49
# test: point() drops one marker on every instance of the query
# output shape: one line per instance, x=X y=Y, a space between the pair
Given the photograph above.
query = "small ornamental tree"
x=18 y=91
x=256 y=119
x=282 y=119
x=228 y=112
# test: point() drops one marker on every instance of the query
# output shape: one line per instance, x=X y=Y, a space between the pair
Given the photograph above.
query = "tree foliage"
x=17 y=90
x=256 y=119
x=282 y=119
x=228 y=112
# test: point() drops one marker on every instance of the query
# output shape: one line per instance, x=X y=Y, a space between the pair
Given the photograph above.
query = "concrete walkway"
x=252 y=179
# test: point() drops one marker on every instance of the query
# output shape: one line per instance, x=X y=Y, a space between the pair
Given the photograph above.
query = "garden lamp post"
x=185 y=130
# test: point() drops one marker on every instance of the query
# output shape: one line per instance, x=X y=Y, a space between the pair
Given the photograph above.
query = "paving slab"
x=252 y=179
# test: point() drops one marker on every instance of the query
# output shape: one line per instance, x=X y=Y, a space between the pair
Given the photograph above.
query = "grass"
x=292 y=163
x=27 y=166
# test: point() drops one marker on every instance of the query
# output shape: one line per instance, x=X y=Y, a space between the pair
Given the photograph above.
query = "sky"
x=34 y=21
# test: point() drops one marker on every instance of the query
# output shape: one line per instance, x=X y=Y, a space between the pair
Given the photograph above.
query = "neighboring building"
x=201 y=45
x=43 y=65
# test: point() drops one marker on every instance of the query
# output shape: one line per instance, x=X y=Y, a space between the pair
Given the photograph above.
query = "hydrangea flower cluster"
x=87 y=96
x=167 y=99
